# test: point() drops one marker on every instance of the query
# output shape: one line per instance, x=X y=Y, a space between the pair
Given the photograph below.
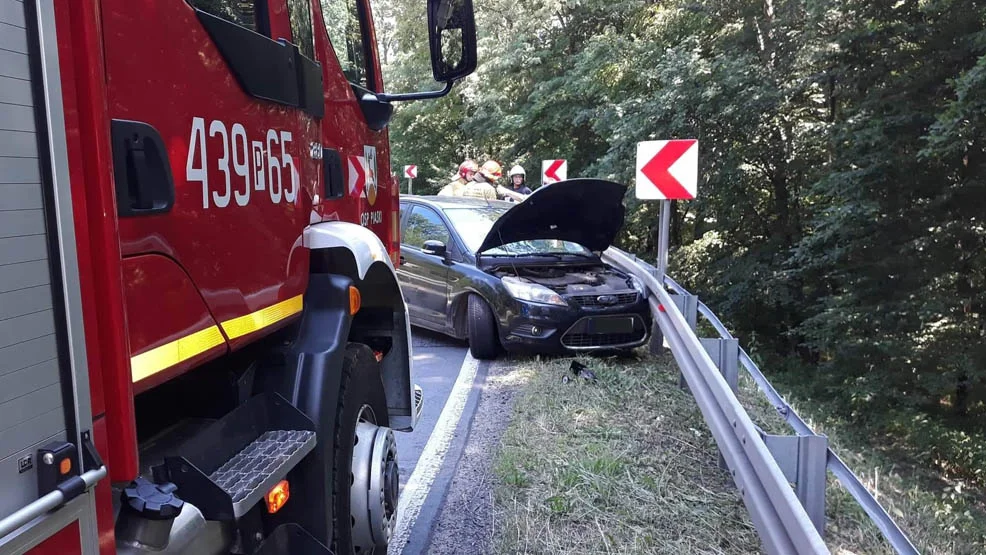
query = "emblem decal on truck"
x=370 y=155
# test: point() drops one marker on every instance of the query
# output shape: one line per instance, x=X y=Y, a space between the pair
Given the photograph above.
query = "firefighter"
x=518 y=177
x=467 y=171
x=485 y=183
x=516 y=190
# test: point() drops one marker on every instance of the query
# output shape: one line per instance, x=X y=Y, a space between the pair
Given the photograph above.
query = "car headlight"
x=526 y=291
x=638 y=285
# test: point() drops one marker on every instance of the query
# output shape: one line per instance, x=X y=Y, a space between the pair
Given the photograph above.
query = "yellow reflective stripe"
x=238 y=327
x=151 y=362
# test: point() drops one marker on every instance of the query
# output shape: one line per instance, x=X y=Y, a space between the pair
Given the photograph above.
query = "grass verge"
x=625 y=465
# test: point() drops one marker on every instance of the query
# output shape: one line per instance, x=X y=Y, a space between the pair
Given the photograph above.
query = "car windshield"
x=473 y=224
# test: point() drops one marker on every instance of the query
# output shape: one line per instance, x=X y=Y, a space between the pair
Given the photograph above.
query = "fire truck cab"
x=203 y=345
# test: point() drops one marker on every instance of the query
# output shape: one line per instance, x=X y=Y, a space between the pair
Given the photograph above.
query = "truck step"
x=228 y=467
x=293 y=539
x=260 y=465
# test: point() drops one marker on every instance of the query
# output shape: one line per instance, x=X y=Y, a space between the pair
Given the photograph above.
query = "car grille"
x=592 y=301
x=581 y=340
x=578 y=336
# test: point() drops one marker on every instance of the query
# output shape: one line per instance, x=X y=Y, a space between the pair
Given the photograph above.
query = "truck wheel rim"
x=375 y=483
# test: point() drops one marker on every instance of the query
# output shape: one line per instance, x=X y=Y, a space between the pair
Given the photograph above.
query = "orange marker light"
x=65 y=466
x=354 y=300
x=278 y=496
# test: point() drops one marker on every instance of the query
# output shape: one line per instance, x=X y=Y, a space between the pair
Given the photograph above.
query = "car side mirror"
x=434 y=248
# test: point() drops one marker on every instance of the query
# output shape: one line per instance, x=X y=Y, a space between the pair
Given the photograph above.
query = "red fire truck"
x=203 y=346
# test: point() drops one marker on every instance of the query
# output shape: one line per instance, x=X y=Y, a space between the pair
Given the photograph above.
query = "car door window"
x=424 y=224
x=345 y=27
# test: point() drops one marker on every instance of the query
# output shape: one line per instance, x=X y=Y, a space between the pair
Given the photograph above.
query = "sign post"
x=666 y=171
x=662 y=238
x=553 y=171
x=410 y=172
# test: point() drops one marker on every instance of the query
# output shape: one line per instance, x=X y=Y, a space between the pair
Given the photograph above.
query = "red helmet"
x=467 y=167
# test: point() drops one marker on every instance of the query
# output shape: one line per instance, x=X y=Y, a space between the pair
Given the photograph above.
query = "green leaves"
x=843 y=164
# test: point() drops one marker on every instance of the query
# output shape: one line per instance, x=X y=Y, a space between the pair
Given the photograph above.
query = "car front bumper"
x=532 y=327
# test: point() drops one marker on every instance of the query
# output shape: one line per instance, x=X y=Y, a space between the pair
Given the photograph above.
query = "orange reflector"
x=278 y=496
x=354 y=300
x=65 y=466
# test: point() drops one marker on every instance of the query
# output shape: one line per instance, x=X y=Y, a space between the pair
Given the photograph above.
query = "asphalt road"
x=428 y=456
x=437 y=361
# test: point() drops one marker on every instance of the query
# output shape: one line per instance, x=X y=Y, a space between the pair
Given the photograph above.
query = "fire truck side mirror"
x=452 y=38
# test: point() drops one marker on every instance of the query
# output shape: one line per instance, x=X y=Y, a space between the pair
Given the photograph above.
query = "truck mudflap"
x=357 y=253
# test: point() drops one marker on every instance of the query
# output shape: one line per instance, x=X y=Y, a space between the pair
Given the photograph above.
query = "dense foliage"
x=840 y=225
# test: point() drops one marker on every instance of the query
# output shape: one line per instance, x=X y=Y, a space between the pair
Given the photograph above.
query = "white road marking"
x=430 y=462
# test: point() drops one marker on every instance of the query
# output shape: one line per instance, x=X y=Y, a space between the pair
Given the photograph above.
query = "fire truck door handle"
x=335 y=184
x=140 y=166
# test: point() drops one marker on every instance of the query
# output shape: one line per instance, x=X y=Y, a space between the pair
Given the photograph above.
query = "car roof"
x=443 y=202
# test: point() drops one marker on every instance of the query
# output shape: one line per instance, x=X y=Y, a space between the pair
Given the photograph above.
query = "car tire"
x=483 y=337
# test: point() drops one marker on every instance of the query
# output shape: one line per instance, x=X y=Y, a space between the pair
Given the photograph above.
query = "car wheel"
x=483 y=336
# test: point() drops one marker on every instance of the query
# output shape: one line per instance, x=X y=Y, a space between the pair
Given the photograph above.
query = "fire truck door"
x=346 y=47
x=231 y=102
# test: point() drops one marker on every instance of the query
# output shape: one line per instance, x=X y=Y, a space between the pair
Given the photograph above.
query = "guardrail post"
x=656 y=345
x=688 y=306
x=725 y=355
x=803 y=460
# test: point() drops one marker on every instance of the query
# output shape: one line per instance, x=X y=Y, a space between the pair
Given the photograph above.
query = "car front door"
x=424 y=276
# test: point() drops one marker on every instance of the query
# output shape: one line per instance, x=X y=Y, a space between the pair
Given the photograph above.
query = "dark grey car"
x=522 y=277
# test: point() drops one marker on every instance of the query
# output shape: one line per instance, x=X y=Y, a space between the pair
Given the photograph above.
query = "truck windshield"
x=473 y=224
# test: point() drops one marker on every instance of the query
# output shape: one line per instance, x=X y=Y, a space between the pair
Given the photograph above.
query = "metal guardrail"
x=763 y=466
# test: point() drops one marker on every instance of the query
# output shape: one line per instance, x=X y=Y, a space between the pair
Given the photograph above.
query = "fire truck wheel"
x=365 y=473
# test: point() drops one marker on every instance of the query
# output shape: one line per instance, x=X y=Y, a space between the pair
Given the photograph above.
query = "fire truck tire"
x=483 y=342
x=365 y=472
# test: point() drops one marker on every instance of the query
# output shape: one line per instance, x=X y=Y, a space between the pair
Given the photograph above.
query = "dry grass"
x=622 y=466
x=940 y=518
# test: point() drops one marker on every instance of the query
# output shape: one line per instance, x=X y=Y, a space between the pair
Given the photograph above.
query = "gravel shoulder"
x=466 y=523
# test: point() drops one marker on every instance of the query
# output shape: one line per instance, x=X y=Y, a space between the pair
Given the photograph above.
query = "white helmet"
x=516 y=170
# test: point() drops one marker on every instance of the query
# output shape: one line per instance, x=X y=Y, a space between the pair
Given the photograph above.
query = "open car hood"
x=585 y=211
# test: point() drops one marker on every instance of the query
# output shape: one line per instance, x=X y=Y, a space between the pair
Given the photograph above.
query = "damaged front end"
x=586 y=307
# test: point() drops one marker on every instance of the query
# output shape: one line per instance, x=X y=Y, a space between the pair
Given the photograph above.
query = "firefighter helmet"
x=517 y=170
x=467 y=167
x=491 y=170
